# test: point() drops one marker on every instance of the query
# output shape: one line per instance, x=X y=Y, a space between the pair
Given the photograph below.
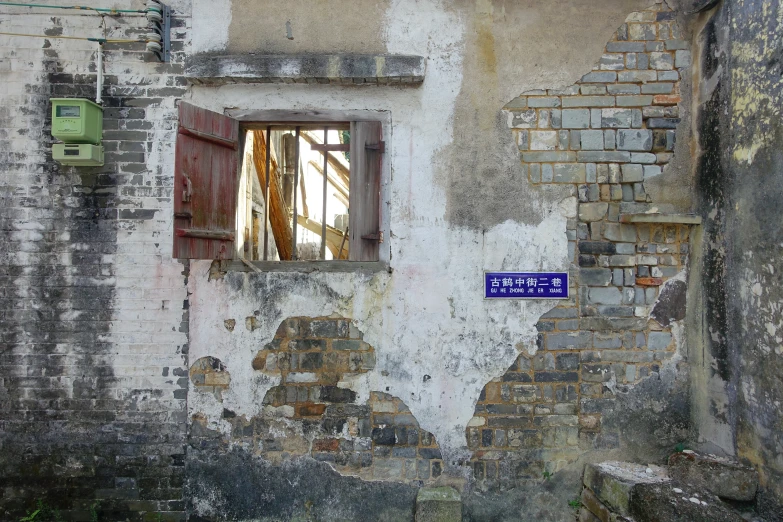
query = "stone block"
x=622 y=260
x=632 y=173
x=592 y=89
x=555 y=118
x=663 y=123
x=523 y=140
x=592 y=211
x=575 y=118
x=636 y=140
x=569 y=173
x=568 y=341
x=625 y=47
x=520 y=102
x=549 y=156
x=599 y=77
x=592 y=505
x=661 y=61
x=543 y=140
x=673 y=502
x=603 y=156
x=535 y=173
x=595 y=276
x=682 y=59
x=617 y=118
x=643 y=157
x=634 y=101
x=607 y=295
x=543 y=101
x=623 y=88
x=658 y=88
x=720 y=476
x=591 y=172
x=595 y=118
x=304 y=67
x=592 y=140
x=610 y=139
x=676 y=45
x=636 y=76
x=668 y=76
x=612 y=62
x=620 y=232
x=641 y=31
x=562 y=139
x=587 y=516
x=659 y=340
x=524 y=119
x=613 y=482
x=589 y=101
x=547 y=174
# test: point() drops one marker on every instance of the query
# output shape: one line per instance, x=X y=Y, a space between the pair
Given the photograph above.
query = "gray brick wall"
x=604 y=136
x=93 y=348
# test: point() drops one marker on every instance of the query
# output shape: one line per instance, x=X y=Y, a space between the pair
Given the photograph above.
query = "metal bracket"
x=380 y=147
x=163 y=28
x=378 y=236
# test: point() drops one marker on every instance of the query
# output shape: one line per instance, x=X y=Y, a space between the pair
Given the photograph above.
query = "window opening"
x=275 y=190
x=308 y=189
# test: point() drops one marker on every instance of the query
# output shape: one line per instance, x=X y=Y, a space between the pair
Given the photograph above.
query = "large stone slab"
x=614 y=482
x=438 y=505
x=672 y=502
x=648 y=494
x=721 y=476
x=216 y=69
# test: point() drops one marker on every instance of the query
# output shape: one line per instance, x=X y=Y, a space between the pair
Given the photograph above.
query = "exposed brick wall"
x=605 y=136
x=310 y=414
x=90 y=304
x=93 y=362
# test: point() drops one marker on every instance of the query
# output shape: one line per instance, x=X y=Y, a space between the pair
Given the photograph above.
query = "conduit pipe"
x=98 y=94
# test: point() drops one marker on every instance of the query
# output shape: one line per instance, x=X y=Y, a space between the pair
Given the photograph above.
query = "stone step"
x=618 y=491
x=720 y=476
x=443 y=504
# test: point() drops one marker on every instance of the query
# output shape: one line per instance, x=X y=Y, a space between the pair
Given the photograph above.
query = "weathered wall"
x=438 y=387
x=510 y=399
x=740 y=187
x=92 y=356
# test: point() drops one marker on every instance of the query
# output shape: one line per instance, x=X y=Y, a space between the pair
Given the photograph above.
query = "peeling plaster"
x=426 y=318
x=397 y=312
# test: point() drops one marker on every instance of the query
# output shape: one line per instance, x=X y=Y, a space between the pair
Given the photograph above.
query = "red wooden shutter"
x=365 y=193
x=205 y=184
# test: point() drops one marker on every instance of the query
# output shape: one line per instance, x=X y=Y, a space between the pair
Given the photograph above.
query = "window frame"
x=259 y=120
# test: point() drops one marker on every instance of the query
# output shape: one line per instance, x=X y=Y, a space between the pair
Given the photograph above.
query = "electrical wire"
x=99 y=40
x=78 y=7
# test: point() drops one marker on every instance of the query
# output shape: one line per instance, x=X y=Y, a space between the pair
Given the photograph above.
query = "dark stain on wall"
x=72 y=435
x=740 y=181
x=237 y=486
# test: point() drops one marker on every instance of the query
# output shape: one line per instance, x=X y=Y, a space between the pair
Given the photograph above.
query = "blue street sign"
x=525 y=285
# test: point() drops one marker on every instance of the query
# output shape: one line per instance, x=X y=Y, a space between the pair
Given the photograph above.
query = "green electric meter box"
x=78 y=154
x=77 y=120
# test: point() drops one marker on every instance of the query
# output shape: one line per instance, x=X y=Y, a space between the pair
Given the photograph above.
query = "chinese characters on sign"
x=525 y=285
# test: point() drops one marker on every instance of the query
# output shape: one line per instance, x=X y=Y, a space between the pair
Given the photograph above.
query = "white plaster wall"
x=428 y=316
x=211 y=20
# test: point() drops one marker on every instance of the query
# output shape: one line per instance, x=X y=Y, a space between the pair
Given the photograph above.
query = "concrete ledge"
x=680 y=219
x=342 y=69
